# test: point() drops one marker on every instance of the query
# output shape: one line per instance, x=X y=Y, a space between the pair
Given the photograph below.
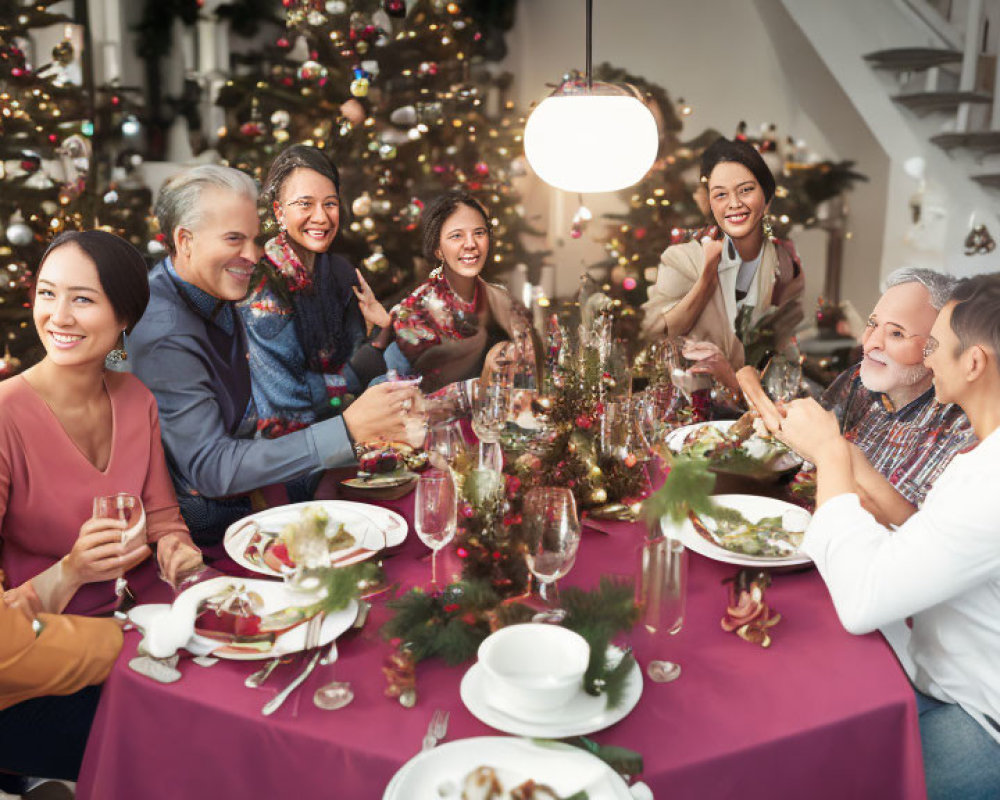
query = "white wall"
x=731 y=60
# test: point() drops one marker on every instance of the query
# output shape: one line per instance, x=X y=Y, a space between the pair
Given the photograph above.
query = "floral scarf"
x=320 y=302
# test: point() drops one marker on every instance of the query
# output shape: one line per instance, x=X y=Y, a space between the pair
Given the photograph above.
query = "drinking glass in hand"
x=489 y=409
x=552 y=536
x=434 y=512
x=782 y=378
x=127 y=508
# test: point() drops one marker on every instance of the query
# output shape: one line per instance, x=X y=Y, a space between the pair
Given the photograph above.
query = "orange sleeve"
x=70 y=653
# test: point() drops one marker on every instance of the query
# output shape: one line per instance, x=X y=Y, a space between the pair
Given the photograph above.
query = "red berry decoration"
x=583 y=421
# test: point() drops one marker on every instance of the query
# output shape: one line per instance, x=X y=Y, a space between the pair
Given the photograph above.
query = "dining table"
x=820 y=713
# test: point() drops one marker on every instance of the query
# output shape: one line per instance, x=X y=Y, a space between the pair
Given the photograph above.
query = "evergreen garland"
x=451 y=625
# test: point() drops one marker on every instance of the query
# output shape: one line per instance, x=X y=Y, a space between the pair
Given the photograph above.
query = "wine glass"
x=128 y=508
x=309 y=550
x=660 y=597
x=445 y=446
x=435 y=513
x=552 y=536
x=490 y=402
x=782 y=377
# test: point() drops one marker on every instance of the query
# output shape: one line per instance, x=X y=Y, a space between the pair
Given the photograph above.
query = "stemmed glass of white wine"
x=435 y=513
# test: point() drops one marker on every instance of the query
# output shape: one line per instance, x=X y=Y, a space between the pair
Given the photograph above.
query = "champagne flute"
x=552 y=536
x=435 y=511
x=660 y=597
x=490 y=403
x=128 y=508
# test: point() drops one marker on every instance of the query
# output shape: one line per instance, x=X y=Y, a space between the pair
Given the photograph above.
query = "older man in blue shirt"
x=190 y=349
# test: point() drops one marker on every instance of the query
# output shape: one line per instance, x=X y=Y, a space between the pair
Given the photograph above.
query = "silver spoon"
x=256 y=679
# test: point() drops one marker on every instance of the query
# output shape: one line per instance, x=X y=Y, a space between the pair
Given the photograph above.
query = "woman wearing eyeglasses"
x=447 y=327
x=308 y=309
x=726 y=292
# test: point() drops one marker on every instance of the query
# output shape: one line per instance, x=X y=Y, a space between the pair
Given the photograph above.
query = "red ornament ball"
x=583 y=421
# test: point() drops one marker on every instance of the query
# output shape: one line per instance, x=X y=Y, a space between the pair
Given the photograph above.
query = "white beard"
x=894 y=376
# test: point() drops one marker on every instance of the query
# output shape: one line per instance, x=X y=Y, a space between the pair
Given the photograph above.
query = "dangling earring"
x=438 y=271
x=119 y=354
x=768 y=230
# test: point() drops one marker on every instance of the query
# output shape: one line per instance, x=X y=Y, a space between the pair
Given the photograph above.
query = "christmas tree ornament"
x=130 y=125
x=62 y=53
x=376 y=263
x=111 y=197
x=362 y=205
x=281 y=119
x=359 y=87
x=335 y=7
x=395 y=8
x=30 y=161
x=316 y=18
x=19 y=234
x=312 y=71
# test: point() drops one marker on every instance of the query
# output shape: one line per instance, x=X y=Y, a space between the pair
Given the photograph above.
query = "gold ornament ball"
x=376 y=263
x=359 y=87
x=596 y=471
x=362 y=205
x=599 y=495
x=62 y=53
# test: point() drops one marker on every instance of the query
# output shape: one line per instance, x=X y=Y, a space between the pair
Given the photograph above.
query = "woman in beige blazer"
x=714 y=290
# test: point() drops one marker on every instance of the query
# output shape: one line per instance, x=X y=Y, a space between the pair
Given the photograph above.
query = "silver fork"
x=312 y=641
x=436 y=730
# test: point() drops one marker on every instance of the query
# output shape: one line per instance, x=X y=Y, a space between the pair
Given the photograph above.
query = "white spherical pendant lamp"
x=586 y=139
x=591 y=137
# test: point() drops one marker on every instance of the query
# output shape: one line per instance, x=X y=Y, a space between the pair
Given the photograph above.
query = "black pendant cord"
x=590 y=20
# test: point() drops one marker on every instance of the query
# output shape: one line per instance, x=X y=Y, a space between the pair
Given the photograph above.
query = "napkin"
x=172 y=630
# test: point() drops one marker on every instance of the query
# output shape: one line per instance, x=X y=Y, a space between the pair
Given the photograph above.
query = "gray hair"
x=179 y=203
x=939 y=285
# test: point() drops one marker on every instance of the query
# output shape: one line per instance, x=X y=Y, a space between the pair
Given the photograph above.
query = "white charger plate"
x=368 y=523
x=275 y=597
x=753 y=507
x=675 y=441
x=583 y=714
x=566 y=769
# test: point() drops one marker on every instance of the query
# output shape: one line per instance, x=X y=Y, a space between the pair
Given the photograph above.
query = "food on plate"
x=279 y=551
x=234 y=615
x=487 y=783
x=379 y=458
x=739 y=449
x=769 y=537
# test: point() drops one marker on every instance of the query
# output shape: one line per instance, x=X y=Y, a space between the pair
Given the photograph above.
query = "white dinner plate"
x=275 y=596
x=583 y=714
x=367 y=523
x=433 y=774
x=675 y=441
x=753 y=507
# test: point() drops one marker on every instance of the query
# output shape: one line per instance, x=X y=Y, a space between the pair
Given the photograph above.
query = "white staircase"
x=924 y=85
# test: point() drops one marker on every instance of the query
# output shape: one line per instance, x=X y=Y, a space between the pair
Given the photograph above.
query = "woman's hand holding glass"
x=122 y=512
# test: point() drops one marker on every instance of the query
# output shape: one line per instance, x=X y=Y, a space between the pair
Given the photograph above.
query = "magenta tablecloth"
x=821 y=714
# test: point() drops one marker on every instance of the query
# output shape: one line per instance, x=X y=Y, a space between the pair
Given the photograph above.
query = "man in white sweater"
x=941 y=567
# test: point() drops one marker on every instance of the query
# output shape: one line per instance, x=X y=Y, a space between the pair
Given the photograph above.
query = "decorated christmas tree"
x=50 y=179
x=405 y=105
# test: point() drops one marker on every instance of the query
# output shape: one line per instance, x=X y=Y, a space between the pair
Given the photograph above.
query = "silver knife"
x=275 y=702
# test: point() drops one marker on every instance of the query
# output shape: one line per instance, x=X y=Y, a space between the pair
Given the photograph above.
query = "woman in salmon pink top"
x=70 y=431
